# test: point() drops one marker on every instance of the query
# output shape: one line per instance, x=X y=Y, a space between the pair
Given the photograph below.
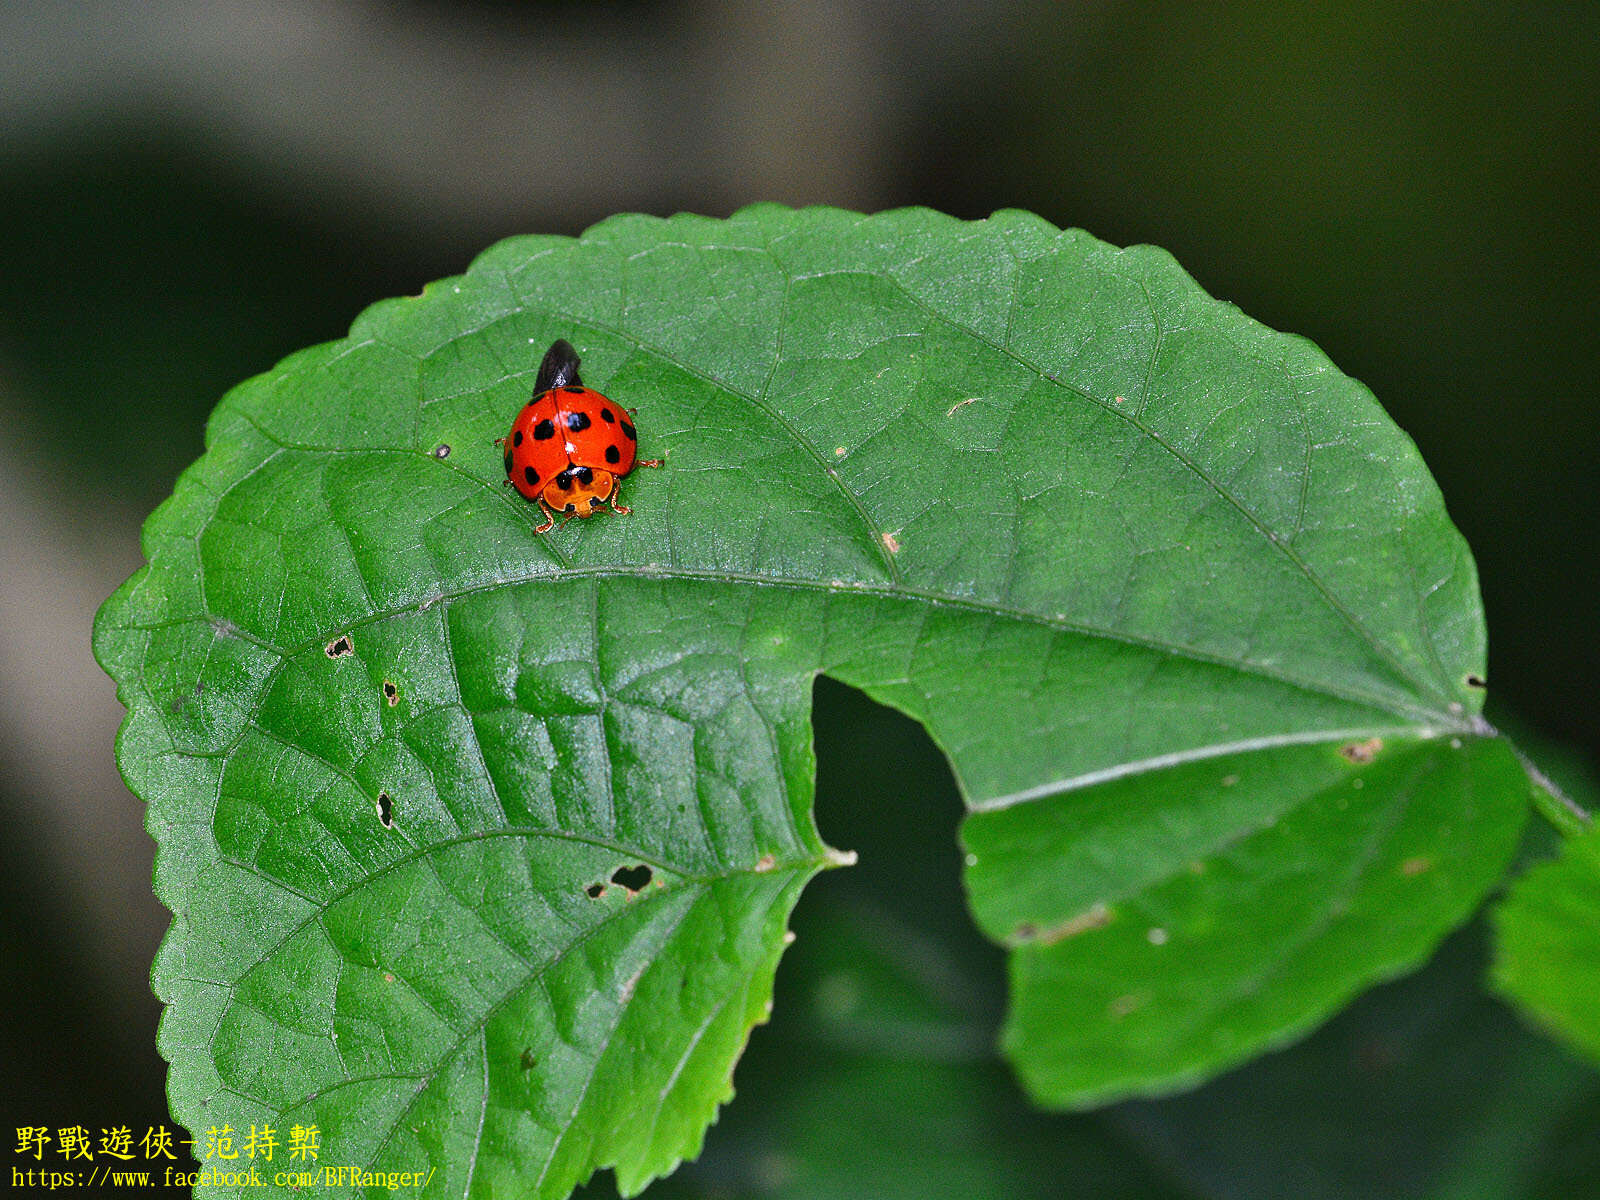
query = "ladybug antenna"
x=559 y=368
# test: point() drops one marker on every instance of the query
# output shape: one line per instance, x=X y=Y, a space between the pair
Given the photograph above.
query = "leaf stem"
x=1560 y=809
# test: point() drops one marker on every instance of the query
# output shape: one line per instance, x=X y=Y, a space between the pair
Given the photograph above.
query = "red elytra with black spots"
x=569 y=445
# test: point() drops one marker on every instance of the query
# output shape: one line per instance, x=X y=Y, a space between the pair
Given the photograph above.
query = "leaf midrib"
x=1425 y=717
x=1162 y=762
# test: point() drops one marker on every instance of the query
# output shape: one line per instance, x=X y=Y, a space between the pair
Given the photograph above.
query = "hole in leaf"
x=385 y=810
x=595 y=890
x=1477 y=681
x=391 y=693
x=339 y=647
x=635 y=879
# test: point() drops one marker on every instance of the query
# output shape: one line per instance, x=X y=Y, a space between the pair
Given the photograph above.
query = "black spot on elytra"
x=577 y=421
x=585 y=475
x=544 y=430
x=635 y=879
x=628 y=431
x=609 y=417
x=530 y=475
x=595 y=890
x=570 y=508
x=613 y=455
x=516 y=438
x=385 y=810
x=564 y=481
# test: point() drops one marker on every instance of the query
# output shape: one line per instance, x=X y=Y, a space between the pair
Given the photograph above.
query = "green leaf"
x=1548 y=951
x=1166 y=588
x=1165 y=931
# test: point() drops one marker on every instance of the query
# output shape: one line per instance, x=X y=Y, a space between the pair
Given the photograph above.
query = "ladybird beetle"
x=569 y=445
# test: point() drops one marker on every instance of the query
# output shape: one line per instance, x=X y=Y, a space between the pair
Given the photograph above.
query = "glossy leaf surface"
x=1180 y=604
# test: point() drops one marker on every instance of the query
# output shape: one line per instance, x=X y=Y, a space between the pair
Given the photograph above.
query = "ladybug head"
x=579 y=490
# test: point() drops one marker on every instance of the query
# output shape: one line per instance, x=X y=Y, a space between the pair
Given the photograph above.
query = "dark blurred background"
x=189 y=191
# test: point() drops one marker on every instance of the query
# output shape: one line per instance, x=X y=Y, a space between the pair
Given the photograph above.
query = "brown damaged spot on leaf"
x=1097 y=916
x=962 y=404
x=340 y=646
x=1126 y=1005
x=529 y=1062
x=1416 y=866
x=765 y=863
x=1361 y=753
x=891 y=543
x=391 y=693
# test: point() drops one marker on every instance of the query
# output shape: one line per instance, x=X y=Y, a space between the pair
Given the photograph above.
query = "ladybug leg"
x=499 y=441
x=549 y=517
x=617 y=506
x=649 y=462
